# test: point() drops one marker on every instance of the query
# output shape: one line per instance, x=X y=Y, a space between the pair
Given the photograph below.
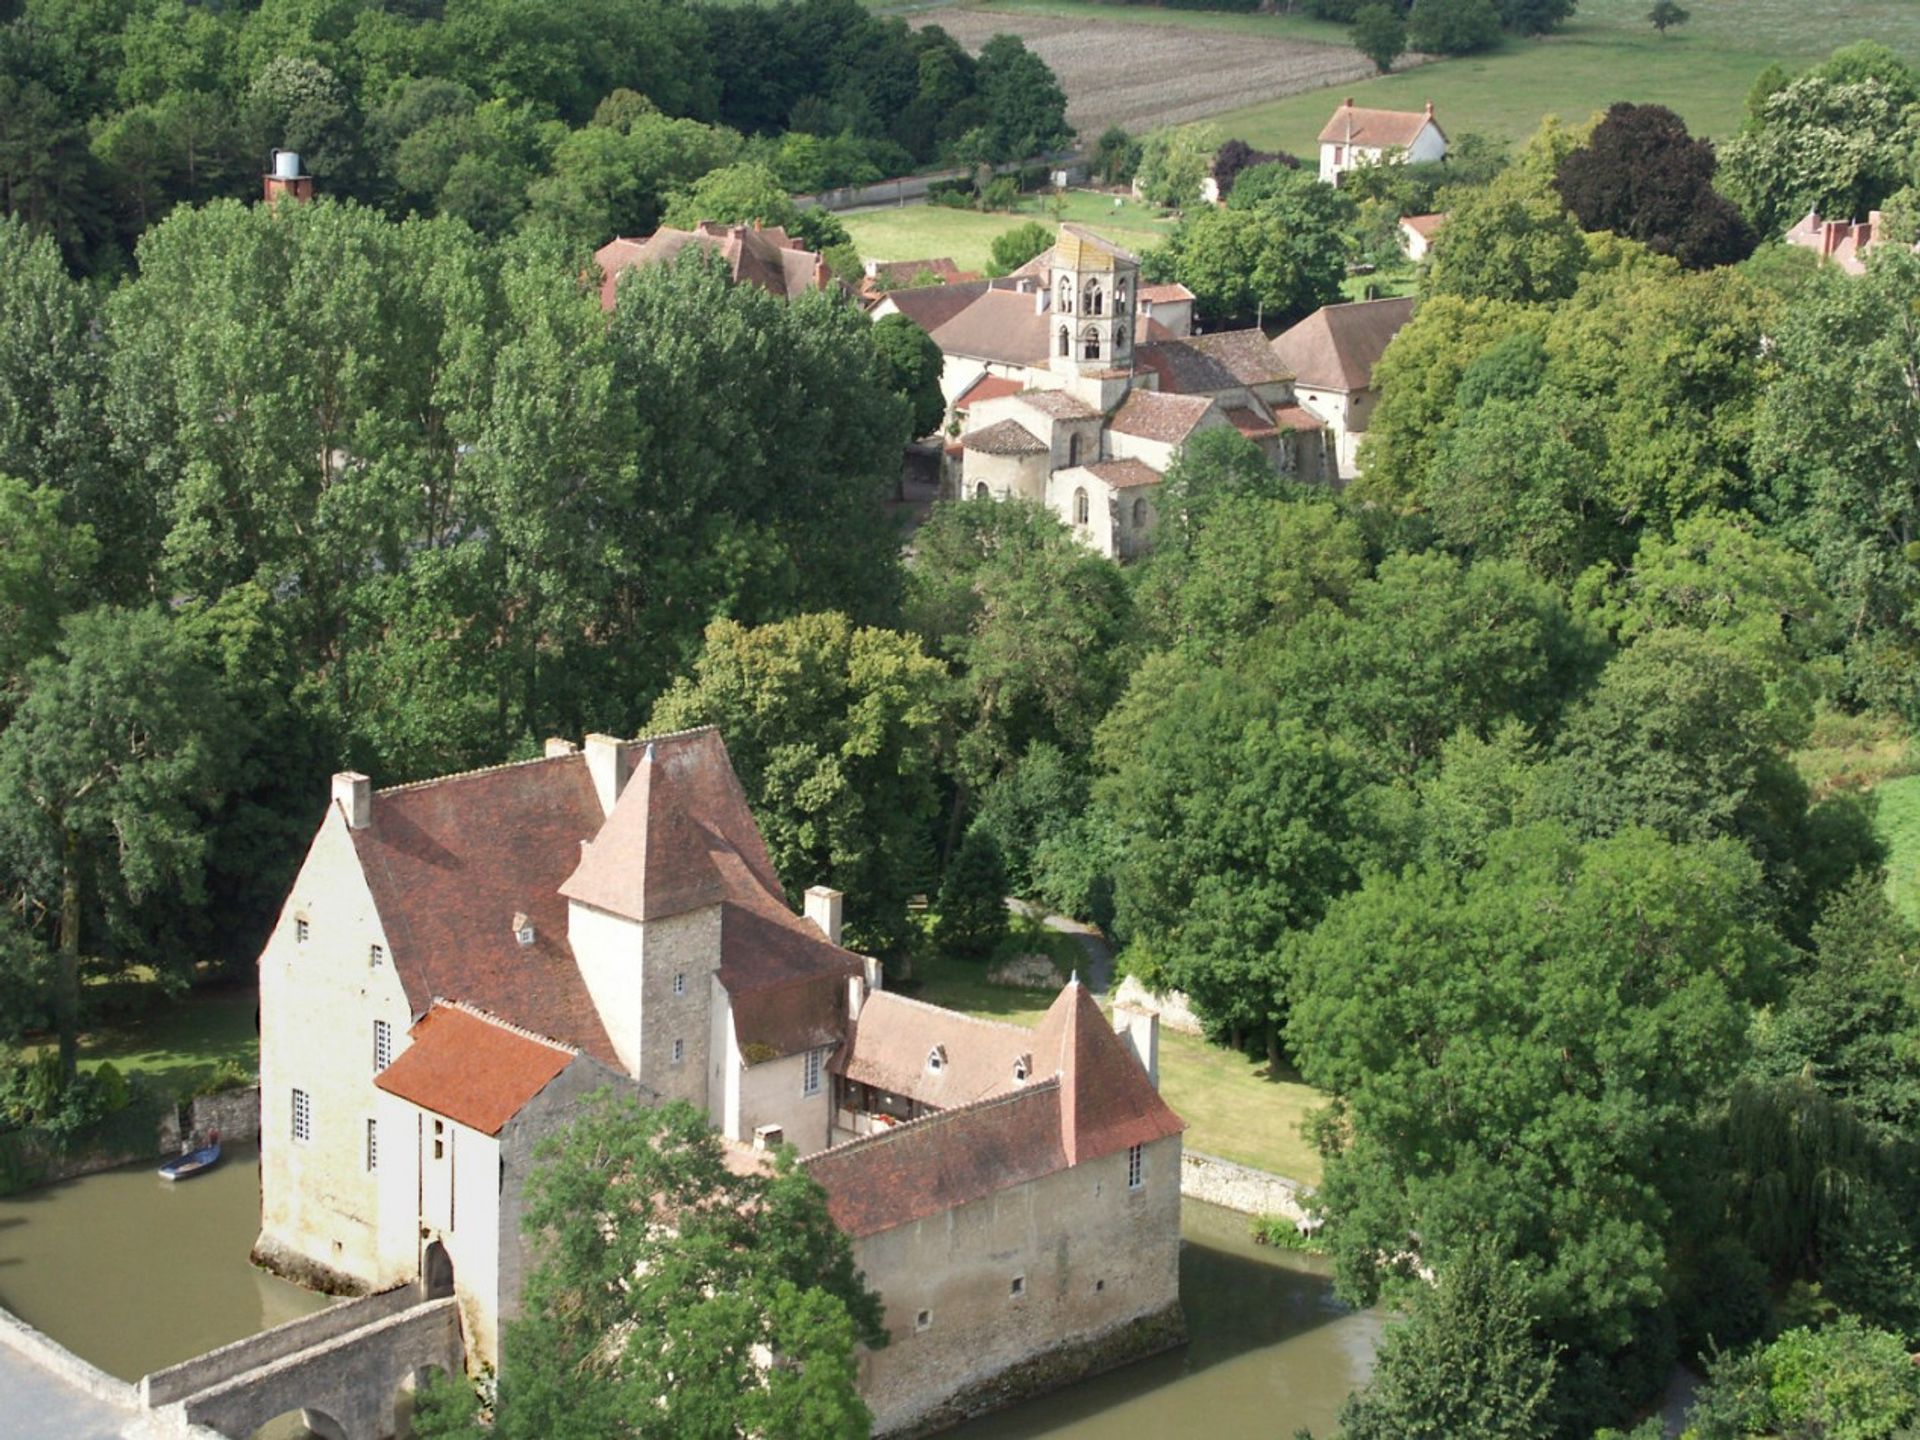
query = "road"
x=39 y=1405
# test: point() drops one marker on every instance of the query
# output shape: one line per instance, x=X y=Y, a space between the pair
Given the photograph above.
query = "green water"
x=134 y=1274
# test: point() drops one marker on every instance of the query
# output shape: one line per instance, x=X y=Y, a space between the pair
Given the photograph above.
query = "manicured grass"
x=927 y=232
x=1897 y=819
x=1278 y=27
x=180 y=1045
x=1231 y=1108
x=1609 y=52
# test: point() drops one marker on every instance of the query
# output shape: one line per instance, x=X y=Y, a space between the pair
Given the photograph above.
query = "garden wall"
x=1241 y=1187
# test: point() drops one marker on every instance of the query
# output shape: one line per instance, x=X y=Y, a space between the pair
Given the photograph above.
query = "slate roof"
x=1153 y=416
x=1358 y=125
x=766 y=257
x=1126 y=474
x=1087 y=1097
x=1337 y=346
x=1004 y=437
x=472 y=1068
x=451 y=861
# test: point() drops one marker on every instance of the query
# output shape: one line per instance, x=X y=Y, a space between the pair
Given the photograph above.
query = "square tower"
x=1094 y=287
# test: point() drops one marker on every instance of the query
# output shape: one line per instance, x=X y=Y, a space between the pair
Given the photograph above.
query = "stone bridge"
x=344 y=1367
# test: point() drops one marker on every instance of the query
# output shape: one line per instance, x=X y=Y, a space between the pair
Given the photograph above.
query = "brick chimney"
x=283 y=179
x=1429 y=109
x=353 y=793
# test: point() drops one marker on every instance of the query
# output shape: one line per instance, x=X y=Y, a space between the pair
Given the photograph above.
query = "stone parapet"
x=1173 y=1008
x=1242 y=1188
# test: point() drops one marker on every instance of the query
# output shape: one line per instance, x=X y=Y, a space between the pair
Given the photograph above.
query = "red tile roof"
x=766 y=257
x=1248 y=423
x=1004 y=437
x=1358 y=125
x=1126 y=474
x=472 y=1068
x=1153 y=416
x=1165 y=294
x=1002 y=325
x=1337 y=346
x=987 y=387
x=1424 y=225
x=1087 y=1097
x=1295 y=417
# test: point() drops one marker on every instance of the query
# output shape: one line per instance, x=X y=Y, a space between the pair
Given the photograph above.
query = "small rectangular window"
x=1019 y=1286
x=373 y=1144
x=679 y=1051
x=376 y=955
x=382 y=1045
x=300 y=929
x=679 y=984
x=810 y=1077
x=439 y=1140
x=302 y=1117
x=1136 y=1166
x=923 y=1321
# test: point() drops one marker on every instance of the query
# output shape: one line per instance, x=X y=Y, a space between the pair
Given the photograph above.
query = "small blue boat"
x=193 y=1161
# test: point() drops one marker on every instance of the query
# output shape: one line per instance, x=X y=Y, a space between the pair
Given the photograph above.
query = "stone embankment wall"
x=234 y=1113
x=118 y=1141
x=1242 y=1188
x=1172 y=1007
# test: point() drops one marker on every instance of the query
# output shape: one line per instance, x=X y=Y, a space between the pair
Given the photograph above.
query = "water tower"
x=283 y=178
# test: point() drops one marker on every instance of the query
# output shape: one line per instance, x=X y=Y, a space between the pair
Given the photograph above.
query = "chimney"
x=607 y=764
x=823 y=909
x=556 y=747
x=283 y=178
x=768 y=1137
x=1039 y=302
x=1429 y=109
x=1141 y=1031
x=1347 y=103
x=353 y=793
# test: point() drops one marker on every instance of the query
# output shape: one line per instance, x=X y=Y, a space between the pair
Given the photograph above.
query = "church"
x=1070 y=389
x=462 y=960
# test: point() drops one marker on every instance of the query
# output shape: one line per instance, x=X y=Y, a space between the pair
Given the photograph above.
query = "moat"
x=133 y=1274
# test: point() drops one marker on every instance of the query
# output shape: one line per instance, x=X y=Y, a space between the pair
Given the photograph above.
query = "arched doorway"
x=436 y=1272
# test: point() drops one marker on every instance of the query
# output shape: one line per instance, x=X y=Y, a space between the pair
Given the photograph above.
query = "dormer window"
x=522 y=929
x=937 y=1059
x=1022 y=1069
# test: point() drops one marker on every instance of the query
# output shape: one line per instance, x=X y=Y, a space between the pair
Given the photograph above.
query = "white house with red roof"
x=1358 y=135
x=461 y=961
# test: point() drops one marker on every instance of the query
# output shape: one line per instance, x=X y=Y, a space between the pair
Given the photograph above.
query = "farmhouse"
x=1071 y=389
x=1357 y=136
x=1331 y=354
x=462 y=960
x=1417 y=232
x=767 y=257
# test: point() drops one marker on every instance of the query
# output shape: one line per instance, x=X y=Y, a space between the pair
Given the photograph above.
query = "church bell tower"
x=1095 y=286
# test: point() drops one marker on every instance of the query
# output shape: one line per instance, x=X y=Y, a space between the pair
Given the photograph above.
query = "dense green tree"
x=1036 y=802
x=1839 y=147
x=971 y=910
x=1283 y=258
x=1017 y=246
x=1453 y=27
x=833 y=731
x=607 y=181
x=1116 y=155
x=1641 y=175
x=1510 y=241
x=1534 y=17
x=46 y=571
x=1466 y=1362
x=1843 y=1379
x=661 y=1277
x=1380 y=34
x=1666 y=14
x=1214 y=468
x=107 y=771
x=1173 y=162
x=911 y=364
x=1026 y=110
x=1525 y=1051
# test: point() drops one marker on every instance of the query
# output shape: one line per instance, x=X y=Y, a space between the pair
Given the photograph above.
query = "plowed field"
x=1145 y=76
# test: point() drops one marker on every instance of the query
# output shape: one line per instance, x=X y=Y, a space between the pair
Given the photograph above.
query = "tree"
x=1666 y=14
x=1173 y=162
x=1215 y=467
x=910 y=364
x=1466 y=1362
x=1013 y=248
x=1453 y=27
x=107 y=773
x=1525 y=1051
x=1115 y=156
x=1838 y=147
x=1025 y=107
x=1641 y=175
x=1842 y=1379
x=1533 y=17
x=45 y=570
x=1283 y=258
x=1380 y=34
x=972 y=907
x=662 y=1281
x=1236 y=157
x=1511 y=241
x=833 y=731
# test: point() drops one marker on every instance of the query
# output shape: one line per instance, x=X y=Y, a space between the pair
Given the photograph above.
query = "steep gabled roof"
x=1079 y=248
x=1126 y=474
x=1245 y=354
x=763 y=256
x=999 y=325
x=1004 y=437
x=649 y=859
x=1107 y=1101
x=1153 y=416
x=894 y=1036
x=1376 y=129
x=1059 y=405
x=1337 y=346
x=987 y=387
x=472 y=1068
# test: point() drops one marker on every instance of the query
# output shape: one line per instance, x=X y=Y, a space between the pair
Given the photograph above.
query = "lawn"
x=180 y=1045
x=1898 y=821
x=1278 y=27
x=1231 y=1108
x=927 y=232
x=1702 y=70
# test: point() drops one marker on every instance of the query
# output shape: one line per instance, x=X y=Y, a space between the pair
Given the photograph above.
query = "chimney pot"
x=353 y=793
x=823 y=909
x=1429 y=109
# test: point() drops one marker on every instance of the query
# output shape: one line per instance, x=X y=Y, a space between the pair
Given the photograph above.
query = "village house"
x=462 y=960
x=1071 y=388
x=1844 y=243
x=754 y=255
x=1417 y=232
x=1331 y=355
x=1358 y=136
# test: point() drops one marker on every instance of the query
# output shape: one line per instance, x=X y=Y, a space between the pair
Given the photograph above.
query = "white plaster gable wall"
x=318 y=1004
x=609 y=951
x=1336 y=158
x=771 y=1094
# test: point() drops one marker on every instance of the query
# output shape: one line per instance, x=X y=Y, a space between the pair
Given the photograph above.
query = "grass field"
x=926 y=232
x=1898 y=821
x=1608 y=52
x=1231 y=1108
x=179 y=1046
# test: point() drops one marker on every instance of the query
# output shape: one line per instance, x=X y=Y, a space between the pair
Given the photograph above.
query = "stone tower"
x=1095 y=286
